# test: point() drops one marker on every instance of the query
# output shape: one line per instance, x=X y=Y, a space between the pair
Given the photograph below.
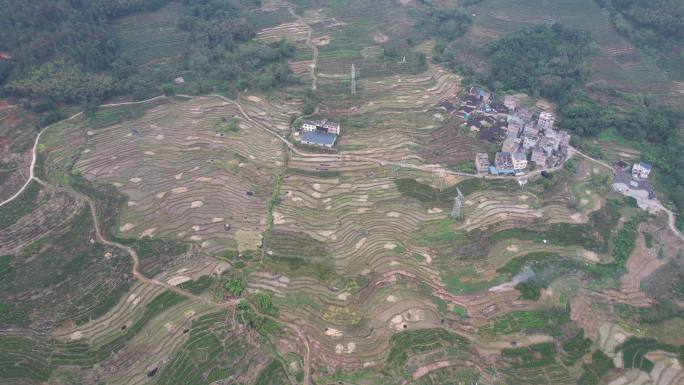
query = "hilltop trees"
x=64 y=52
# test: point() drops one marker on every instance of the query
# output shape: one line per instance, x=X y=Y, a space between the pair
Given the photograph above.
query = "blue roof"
x=321 y=138
x=645 y=165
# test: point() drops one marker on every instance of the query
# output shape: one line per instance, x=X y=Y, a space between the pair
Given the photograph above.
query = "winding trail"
x=223 y=305
x=311 y=45
x=35 y=145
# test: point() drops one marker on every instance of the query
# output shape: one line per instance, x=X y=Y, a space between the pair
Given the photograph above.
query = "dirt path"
x=309 y=44
x=35 y=146
x=224 y=305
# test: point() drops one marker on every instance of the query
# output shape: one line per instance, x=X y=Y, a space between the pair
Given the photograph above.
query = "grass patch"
x=460 y=310
x=468 y=282
x=227 y=125
x=438 y=232
x=531 y=356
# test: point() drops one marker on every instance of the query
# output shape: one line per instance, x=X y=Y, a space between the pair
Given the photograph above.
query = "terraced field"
x=187 y=240
x=151 y=38
x=184 y=177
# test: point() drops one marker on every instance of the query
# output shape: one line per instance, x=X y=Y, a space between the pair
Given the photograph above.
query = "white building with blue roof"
x=318 y=138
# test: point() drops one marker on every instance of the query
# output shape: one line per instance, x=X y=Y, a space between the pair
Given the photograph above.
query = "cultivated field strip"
x=154 y=345
x=98 y=331
x=361 y=222
x=183 y=178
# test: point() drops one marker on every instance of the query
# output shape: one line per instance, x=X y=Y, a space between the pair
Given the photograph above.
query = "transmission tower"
x=353 y=80
x=458 y=201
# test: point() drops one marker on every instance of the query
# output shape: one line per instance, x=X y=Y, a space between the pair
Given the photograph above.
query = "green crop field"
x=151 y=38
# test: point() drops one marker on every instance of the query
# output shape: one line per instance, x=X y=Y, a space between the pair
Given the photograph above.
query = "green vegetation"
x=625 y=241
x=409 y=343
x=199 y=286
x=529 y=321
x=61 y=265
x=438 y=232
x=298 y=266
x=460 y=310
x=295 y=244
x=211 y=353
x=235 y=285
x=27 y=201
x=664 y=310
x=661 y=144
x=273 y=374
x=575 y=348
x=37 y=357
x=468 y=282
x=635 y=349
x=62 y=50
x=11 y=314
x=265 y=304
x=656 y=26
x=444 y=24
x=648 y=240
x=221 y=49
x=247 y=316
x=596 y=236
x=68 y=52
x=600 y=365
x=5 y=265
x=546 y=60
x=531 y=356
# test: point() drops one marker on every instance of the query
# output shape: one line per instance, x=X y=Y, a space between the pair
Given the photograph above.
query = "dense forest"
x=444 y=24
x=63 y=50
x=56 y=52
x=546 y=60
x=222 y=51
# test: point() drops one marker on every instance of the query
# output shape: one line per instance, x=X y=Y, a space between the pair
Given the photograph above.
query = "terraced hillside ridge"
x=191 y=238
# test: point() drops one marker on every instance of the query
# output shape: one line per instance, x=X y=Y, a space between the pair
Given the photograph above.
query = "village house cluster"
x=524 y=140
x=319 y=133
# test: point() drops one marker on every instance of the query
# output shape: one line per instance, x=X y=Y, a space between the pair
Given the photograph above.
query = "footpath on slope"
x=311 y=45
